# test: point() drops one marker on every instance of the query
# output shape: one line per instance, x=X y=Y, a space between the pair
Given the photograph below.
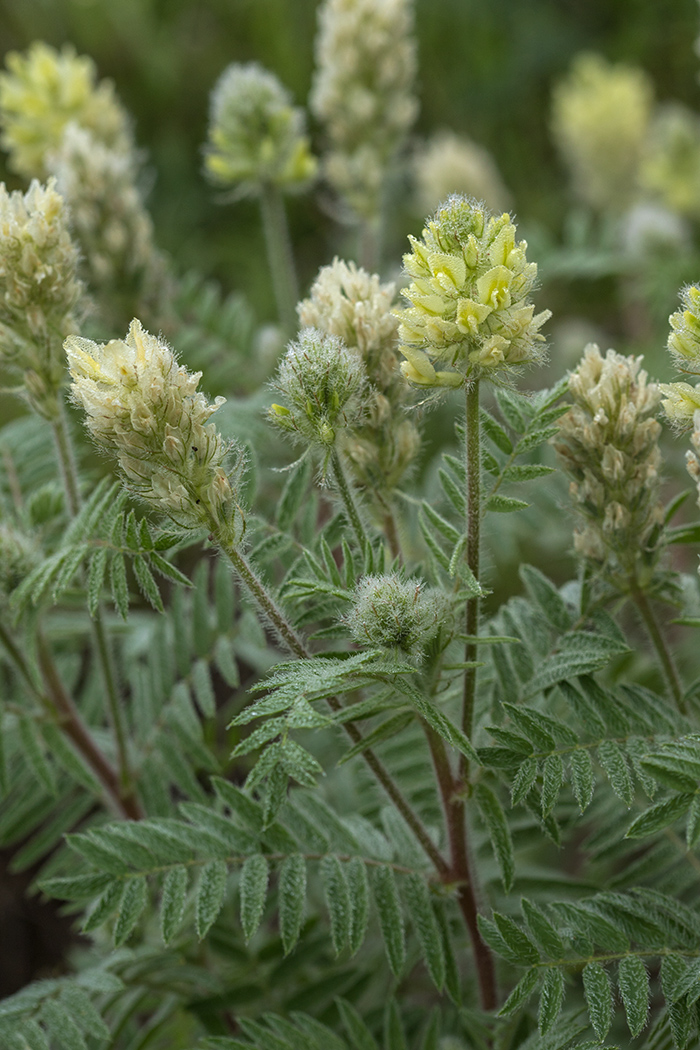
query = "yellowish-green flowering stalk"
x=670 y=169
x=348 y=302
x=608 y=444
x=40 y=291
x=42 y=92
x=600 y=122
x=145 y=409
x=451 y=163
x=399 y=614
x=469 y=299
x=258 y=145
x=363 y=94
x=257 y=135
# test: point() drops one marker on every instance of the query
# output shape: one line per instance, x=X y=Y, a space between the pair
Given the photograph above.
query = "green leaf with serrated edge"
x=692 y=828
x=211 y=890
x=132 y=904
x=359 y=1034
x=521 y=993
x=172 y=902
x=613 y=762
x=167 y=569
x=552 y=779
x=120 y=591
x=358 y=888
x=551 y=998
x=32 y=1036
x=294 y=492
x=390 y=917
x=523 y=781
x=147 y=583
x=534 y=438
x=495 y=432
x=338 y=900
x=543 y=932
x=504 y=504
x=517 y=941
x=582 y=777
x=546 y=597
x=598 y=993
x=61 y=1027
x=673 y=972
x=498 y=831
x=80 y=1006
x=426 y=926
x=633 y=982
x=292 y=899
x=105 y=907
x=203 y=689
x=535 y=726
x=96 y=576
x=510 y=409
x=659 y=816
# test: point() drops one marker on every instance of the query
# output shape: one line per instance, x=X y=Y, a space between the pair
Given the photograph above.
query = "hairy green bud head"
x=324 y=385
x=398 y=614
x=145 y=409
x=469 y=296
x=256 y=134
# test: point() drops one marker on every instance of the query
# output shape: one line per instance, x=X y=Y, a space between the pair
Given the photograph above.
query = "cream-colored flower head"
x=43 y=91
x=348 y=302
x=469 y=296
x=145 y=409
x=608 y=444
x=363 y=92
x=399 y=614
x=39 y=288
x=451 y=163
x=324 y=385
x=671 y=164
x=681 y=400
x=600 y=122
x=107 y=212
x=256 y=134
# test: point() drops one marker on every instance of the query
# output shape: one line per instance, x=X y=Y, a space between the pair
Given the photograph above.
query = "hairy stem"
x=280 y=257
x=66 y=459
x=348 y=499
x=473 y=463
x=659 y=642
x=296 y=645
x=460 y=873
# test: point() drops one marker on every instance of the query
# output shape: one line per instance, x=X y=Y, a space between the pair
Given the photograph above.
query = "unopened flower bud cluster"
x=324 y=386
x=348 y=302
x=681 y=400
x=256 y=135
x=600 y=121
x=363 y=93
x=608 y=443
x=399 y=614
x=144 y=408
x=39 y=288
x=469 y=298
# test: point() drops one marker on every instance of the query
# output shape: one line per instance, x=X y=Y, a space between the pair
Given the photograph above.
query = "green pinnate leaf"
x=582 y=777
x=659 y=816
x=598 y=993
x=521 y=993
x=292 y=899
x=390 y=917
x=543 y=932
x=427 y=928
x=253 y=891
x=338 y=899
x=523 y=781
x=552 y=779
x=499 y=832
x=358 y=887
x=613 y=762
x=172 y=903
x=551 y=998
x=211 y=890
x=61 y=1027
x=132 y=904
x=633 y=981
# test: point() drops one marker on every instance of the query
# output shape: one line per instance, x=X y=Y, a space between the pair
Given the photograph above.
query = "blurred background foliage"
x=485 y=69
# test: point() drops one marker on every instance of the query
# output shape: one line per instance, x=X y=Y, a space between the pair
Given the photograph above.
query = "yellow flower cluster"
x=470 y=283
x=363 y=93
x=681 y=400
x=256 y=135
x=600 y=121
x=39 y=288
x=608 y=443
x=43 y=91
x=145 y=409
